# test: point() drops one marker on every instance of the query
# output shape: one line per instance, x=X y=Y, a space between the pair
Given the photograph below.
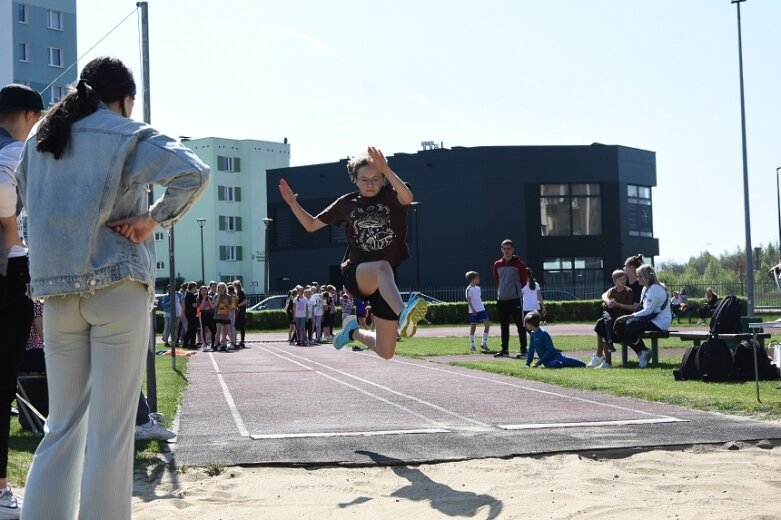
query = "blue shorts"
x=478 y=318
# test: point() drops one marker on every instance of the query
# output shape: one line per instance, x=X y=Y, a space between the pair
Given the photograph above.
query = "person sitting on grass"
x=541 y=343
x=376 y=228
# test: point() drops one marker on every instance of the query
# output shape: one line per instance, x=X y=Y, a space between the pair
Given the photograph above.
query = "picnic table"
x=695 y=336
x=698 y=336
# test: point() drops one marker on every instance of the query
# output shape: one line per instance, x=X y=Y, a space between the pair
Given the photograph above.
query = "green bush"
x=559 y=311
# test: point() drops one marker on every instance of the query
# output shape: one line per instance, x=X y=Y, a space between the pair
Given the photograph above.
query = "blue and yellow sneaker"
x=413 y=312
x=343 y=338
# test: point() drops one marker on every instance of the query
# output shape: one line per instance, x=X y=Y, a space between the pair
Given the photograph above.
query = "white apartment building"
x=38 y=44
x=231 y=213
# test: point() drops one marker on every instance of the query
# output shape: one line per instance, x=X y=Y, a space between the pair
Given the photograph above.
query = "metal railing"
x=766 y=294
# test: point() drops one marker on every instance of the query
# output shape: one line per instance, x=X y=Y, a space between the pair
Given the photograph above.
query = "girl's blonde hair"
x=647 y=273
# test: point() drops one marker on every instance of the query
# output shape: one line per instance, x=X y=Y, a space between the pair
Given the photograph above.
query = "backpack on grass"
x=710 y=362
x=726 y=316
x=687 y=371
x=743 y=358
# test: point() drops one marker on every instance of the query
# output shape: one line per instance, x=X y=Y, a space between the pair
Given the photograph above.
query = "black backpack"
x=714 y=361
x=743 y=358
x=726 y=317
x=688 y=369
x=710 y=362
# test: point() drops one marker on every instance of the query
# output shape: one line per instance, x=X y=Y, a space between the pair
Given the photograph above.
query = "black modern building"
x=574 y=213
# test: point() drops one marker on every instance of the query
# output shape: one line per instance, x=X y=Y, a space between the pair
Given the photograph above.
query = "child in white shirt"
x=477 y=312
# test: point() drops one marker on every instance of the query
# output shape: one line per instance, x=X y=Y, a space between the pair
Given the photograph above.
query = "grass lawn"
x=653 y=384
x=170 y=386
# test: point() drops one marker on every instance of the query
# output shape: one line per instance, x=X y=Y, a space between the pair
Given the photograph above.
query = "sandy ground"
x=737 y=480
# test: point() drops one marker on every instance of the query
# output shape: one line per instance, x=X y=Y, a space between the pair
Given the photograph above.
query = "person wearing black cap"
x=20 y=109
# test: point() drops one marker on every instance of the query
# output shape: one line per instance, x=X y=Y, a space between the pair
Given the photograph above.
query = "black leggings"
x=511 y=309
x=241 y=320
x=207 y=320
x=16 y=317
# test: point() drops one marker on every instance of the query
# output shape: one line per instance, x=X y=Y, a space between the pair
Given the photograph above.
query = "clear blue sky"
x=334 y=77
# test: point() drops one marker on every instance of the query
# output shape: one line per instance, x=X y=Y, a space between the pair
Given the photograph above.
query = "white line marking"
x=522 y=387
x=349 y=434
x=386 y=401
x=625 y=422
x=406 y=396
x=229 y=399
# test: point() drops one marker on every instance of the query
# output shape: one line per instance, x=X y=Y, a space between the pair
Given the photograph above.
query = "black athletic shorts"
x=380 y=307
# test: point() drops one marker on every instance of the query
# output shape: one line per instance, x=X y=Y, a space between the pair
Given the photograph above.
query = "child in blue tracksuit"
x=542 y=344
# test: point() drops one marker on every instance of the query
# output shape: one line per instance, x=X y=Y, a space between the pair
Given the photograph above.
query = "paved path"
x=277 y=404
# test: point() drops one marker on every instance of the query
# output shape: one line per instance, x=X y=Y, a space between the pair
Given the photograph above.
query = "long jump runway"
x=281 y=405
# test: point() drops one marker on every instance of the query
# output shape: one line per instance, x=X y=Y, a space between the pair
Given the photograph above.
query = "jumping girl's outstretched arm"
x=309 y=222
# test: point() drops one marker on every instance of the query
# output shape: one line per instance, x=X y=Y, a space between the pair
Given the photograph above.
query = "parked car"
x=557 y=295
x=272 y=303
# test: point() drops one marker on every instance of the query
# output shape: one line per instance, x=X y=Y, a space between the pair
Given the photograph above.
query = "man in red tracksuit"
x=510 y=276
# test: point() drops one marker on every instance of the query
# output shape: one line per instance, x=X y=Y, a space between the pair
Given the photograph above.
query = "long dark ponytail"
x=532 y=281
x=103 y=79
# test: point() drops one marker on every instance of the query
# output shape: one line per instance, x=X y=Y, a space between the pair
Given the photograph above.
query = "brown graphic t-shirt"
x=376 y=227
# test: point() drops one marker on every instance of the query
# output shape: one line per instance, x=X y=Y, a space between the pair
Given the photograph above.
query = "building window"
x=230 y=223
x=639 y=211
x=573 y=277
x=55 y=20
x=22 y=13
x=228 y=164
x=231 y=253
x=161 y=264
x=229 y=193
x=57 y=93
x=24 y=52
x=227 y=278
x=570 y=210
x=55 y=57
x=158 y=235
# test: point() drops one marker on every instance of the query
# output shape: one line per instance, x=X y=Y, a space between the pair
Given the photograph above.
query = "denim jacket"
x=101 y=177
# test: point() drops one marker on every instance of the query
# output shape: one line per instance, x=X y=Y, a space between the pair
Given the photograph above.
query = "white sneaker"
x=642 y=358
x=604 y=364
x=595 y=361
x=10 y=504
x=153 y=430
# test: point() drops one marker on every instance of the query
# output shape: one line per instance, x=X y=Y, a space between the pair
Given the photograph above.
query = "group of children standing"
x=311 y=311
x=214 y=315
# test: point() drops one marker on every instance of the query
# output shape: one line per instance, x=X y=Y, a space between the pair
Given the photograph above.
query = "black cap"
x=20 y=97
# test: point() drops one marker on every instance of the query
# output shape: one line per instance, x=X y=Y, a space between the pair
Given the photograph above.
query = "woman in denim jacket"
x=83 y=178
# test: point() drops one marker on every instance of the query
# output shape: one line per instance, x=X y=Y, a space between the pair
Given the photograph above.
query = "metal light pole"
x=415 y=205
x=201 y=222
x=778 y=195
x=267 y=222
x=749 y=261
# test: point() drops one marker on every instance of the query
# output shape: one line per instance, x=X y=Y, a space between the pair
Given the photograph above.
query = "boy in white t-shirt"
x=477 y=312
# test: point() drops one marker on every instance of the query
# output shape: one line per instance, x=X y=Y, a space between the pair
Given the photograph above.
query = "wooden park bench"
x=654 y=336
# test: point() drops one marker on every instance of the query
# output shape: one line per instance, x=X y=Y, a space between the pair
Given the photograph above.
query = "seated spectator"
x=653 y=314
x=711 y=301
x=616 y=301
x=679 y=304
x=541 y=343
